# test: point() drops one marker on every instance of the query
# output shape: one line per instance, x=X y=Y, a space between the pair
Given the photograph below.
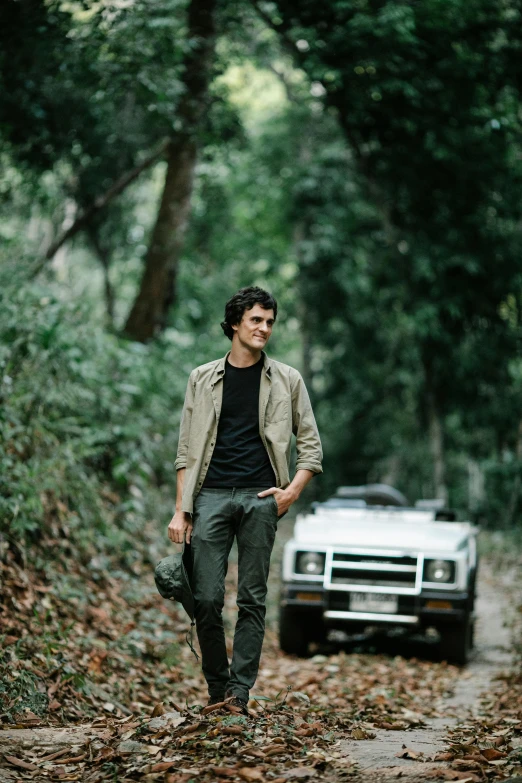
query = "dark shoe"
x=236 y=705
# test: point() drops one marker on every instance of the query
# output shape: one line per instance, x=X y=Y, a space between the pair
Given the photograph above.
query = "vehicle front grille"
x=406 y=560
x=375 y=578
x=390 y=572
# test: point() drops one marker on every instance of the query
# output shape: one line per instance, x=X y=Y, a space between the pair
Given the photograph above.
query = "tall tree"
x=90 y=91
x=149 y=313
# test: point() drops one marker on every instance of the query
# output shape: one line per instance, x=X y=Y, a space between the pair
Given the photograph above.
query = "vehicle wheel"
x=472 y=634
x=472 y=589
x=294 y=632
x=456 y=641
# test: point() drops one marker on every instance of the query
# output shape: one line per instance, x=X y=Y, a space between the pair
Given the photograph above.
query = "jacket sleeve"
x=184 y=427
x=304 y=427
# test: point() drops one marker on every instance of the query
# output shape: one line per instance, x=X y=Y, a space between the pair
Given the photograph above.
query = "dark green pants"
x=219 y=516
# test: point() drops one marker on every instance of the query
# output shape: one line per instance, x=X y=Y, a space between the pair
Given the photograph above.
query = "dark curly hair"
x=243 y=300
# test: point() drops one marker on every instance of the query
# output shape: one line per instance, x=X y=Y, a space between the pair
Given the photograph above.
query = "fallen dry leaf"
x=443 y=756
x=72 y=759
x=467 y=764
x=452 y=774
x=391 y=726
x=492 y=754
x=274 y=746
x=462 y=748
x=213 y=707
x=56 y=755
x=277 y=751
x=161 y=766
x=21 y=763
x=362 y=734
x=254 y=752
x=232 y=730
x=250 y=773
x=192 y=728
x=408 y=753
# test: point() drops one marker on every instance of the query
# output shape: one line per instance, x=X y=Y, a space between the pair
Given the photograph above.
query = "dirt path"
x=341 y=690
x=377 y=760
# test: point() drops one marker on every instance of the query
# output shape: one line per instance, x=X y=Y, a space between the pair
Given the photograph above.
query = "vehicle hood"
x=415 y=535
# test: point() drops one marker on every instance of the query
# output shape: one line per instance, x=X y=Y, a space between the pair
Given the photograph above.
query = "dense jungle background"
x=360 y=159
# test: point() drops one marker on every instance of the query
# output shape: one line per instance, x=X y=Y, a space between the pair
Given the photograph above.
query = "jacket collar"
x=219 y=369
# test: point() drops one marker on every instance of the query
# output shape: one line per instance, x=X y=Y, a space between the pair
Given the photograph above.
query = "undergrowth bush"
x=88 y=426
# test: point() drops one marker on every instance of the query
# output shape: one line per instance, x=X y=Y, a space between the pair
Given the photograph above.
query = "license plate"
x=374 y=602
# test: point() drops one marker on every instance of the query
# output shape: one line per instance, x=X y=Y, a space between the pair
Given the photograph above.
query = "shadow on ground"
x=392 y=644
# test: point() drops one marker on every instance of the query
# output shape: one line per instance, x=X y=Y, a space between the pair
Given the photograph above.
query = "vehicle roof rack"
x=446 y=515
x=430 y=504
x=338 y=503
x=374 y=495
x=442 y=512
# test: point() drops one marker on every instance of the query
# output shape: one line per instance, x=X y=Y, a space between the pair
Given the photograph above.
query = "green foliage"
x=502 y=502
x=426 y=98
x=88 y=422
x=234 y=720
x=25 y=691
x=92 y=86
x=375 y=188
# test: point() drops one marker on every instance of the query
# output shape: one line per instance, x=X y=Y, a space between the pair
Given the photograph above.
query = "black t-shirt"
x=240 y=458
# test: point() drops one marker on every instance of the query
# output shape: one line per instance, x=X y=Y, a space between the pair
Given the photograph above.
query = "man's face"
x=255 y=328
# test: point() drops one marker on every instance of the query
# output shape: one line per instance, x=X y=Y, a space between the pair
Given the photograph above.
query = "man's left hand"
x=284 y=498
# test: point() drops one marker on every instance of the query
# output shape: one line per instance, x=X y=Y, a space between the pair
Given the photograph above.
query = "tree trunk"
x=298 y=237
x=475 y=485
x=436 y=436
x=392 y=472
x=515 y=491
x=149 y=313
x=300 y=233
x=104 y=258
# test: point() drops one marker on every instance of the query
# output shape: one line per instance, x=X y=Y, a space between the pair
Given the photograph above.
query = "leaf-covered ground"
x=102 y=655
x=486 y=743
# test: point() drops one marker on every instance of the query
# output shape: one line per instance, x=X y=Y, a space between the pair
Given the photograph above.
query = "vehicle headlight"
x=439 y=571
x=311 y=563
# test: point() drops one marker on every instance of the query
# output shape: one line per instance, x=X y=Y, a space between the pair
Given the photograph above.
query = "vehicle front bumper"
x=433 y=608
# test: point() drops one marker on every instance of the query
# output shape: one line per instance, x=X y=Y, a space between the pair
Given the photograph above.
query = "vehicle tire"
x=294 y=632
x=472 y=634
x=456 y=641
x=472 y=589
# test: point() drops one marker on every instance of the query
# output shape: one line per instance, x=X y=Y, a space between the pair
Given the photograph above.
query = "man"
x=233 y=481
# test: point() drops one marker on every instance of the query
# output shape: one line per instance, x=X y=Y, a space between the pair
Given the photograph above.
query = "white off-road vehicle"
x=364 y=558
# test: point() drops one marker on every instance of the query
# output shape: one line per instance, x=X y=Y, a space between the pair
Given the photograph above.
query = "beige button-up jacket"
x=284 y=408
